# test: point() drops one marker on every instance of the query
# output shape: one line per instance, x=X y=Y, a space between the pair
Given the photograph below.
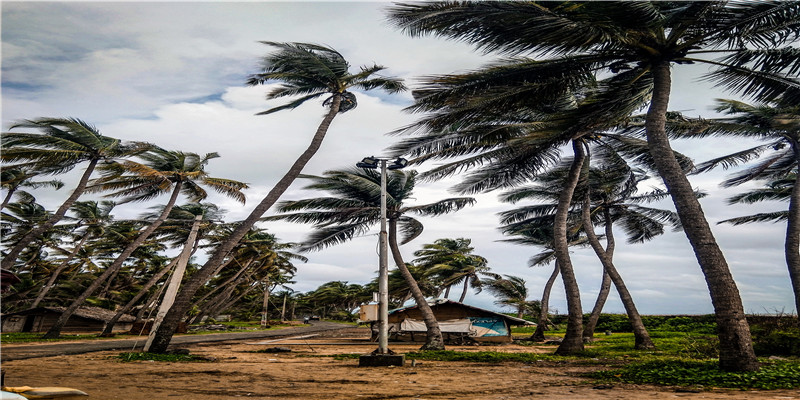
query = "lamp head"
x=398 y=163
x=368 y=162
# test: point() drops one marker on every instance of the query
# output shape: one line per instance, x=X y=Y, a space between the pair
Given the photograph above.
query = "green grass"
x=705 y=373
x=129 y=357
x=680 y=359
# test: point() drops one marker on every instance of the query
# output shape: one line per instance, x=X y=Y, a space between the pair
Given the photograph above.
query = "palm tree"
x=62 y=145
x=515 y=139
x=452 y=262
x=399 y=289
x=176 y=229
x=510 y=291
x=355 y=206
x=161 y=172
x=93 y=217
x=777 y=126
x=12 y=179
x=645 y=38
x=306 y=70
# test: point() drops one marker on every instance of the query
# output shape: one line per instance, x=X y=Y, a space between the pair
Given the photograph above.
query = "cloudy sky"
x=173 y=74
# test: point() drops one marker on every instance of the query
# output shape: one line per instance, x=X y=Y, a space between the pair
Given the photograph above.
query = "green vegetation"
x=706 y=373
x=679 y=359
x=128 y=357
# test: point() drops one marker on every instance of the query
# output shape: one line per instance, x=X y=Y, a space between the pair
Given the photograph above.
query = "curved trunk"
x=642 y=339
x=7 y=199
x=55 y=330
x=602 y=296
x=11 y=257
x=183 y=301
x=109 y=327
x=433 y=338
x=736 y=346
x=51 y=281
x=544 y=319
x=224 y=284
x=464 y=291
x=573 y=338
x=792 y=243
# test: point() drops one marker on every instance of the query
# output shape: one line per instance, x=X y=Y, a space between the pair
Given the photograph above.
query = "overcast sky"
x=173 y=74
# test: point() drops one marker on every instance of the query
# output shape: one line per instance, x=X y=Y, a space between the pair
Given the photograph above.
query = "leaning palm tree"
x=12 y=179
x=355 y=207
x=518 y=138
x=309 y=71
x=510 y=291
x=175 y=230
x=63 y=144
x=92 y=218
x=646 y=38
x=451 y=261
x=161 y=172
x=777 y=126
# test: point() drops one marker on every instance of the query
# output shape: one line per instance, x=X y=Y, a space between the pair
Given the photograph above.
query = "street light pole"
x=383 y=255
x=383 y=274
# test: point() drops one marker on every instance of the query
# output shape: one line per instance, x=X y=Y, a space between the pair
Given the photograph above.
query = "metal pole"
x=383 y=277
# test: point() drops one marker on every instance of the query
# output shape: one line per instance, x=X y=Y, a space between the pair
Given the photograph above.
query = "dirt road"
x=9 y=352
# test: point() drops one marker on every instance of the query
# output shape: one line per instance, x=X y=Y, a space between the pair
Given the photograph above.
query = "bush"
x=778 y=375
x=778 y=343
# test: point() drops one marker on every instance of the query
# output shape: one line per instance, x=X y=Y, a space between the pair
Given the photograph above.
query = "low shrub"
x=773 y=375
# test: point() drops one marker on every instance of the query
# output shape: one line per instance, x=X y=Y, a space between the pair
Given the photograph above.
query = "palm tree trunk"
x=109 y=327
x=433 y=337
x=602 y=296
x=544 y=319
x=642 y=339
x=736 y=346
x=792 y=242
x=227 y=282
x=183 y=300
x=573 y=338
x=51 y=281
x=11 y=257
x=7 y=199
x=55 y=330
x=464 y=291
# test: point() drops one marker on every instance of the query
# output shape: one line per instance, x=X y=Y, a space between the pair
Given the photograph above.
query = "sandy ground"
x=238 y=372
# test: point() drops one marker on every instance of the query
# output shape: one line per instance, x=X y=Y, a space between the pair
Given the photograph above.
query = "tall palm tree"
x=12 y=179
x=646 y=38
x=510 y=291
x=309 y=71
x=93 y=217
x=161 y=172
x=452 y=261
x=775 y=124
x=355 y=207
x=63 y=144
x=518 y=137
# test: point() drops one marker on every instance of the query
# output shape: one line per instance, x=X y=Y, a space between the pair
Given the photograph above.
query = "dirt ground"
x=238 y=372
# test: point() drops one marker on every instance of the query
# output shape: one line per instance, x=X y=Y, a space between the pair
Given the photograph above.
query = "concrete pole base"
x=382 y=360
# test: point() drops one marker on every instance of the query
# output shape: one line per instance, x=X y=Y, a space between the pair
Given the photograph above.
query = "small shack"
x=84 y=320
x=458 y=322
